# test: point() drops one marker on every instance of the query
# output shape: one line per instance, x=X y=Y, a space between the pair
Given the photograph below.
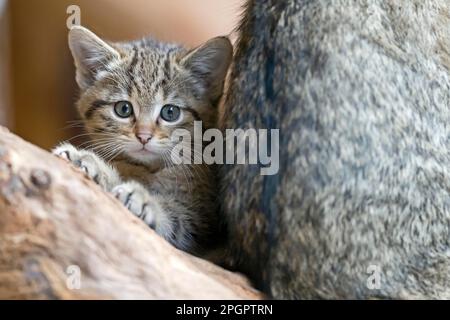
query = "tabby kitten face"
x=134 y=95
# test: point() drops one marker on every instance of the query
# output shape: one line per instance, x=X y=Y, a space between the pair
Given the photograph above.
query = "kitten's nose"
x=143 y=137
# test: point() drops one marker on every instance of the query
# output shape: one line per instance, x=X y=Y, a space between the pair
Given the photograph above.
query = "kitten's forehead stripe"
x=131 y=71
x=156 y=73
x=167 y=71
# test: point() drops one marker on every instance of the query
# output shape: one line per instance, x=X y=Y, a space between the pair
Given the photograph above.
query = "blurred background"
x=37 y=76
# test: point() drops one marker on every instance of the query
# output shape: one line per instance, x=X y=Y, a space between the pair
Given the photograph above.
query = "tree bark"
x=62 y=237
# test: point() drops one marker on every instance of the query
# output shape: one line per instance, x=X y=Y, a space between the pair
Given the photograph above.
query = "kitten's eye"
x=123 y=109
x=170 y=113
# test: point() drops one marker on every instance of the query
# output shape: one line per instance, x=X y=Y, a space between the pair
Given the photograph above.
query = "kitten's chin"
x=144 y=156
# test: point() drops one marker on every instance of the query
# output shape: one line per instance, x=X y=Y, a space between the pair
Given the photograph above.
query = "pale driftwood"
x=52 y=217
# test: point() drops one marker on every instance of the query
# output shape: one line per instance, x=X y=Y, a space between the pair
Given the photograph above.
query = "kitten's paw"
x=138 y=200
x=88 y=162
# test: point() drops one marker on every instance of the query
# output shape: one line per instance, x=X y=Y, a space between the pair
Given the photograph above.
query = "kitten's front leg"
x=138 y=200
x=158 y=212
x=92 y=165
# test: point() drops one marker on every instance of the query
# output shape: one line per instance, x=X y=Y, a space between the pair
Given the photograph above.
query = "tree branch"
x=54 y=222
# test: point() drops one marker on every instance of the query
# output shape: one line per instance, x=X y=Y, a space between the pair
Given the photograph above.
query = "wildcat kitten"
x=133 y=96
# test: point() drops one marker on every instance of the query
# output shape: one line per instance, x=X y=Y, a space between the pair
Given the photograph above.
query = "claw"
x=85 y=170
x=64 y=155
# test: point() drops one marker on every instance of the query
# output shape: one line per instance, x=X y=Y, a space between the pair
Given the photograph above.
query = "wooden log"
x=62 y=237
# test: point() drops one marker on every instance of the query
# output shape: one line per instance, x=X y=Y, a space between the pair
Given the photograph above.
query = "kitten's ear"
x=91 y=55
x=210 y=63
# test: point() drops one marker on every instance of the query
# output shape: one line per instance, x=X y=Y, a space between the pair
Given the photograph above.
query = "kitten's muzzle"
x=143 y=137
